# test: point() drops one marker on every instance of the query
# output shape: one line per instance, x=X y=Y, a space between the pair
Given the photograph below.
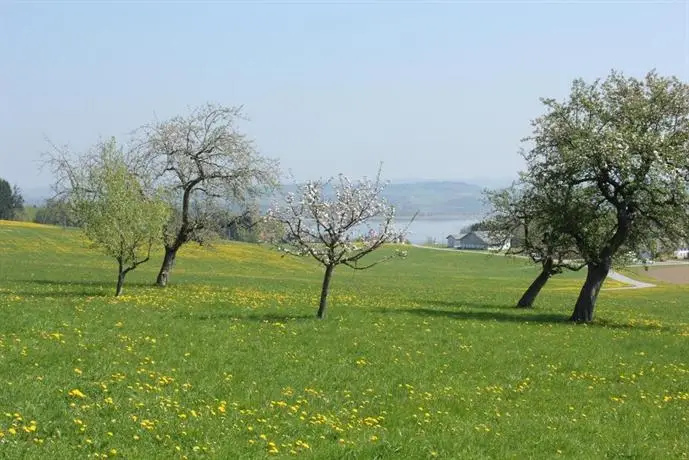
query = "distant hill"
x=436 y=199
x=446 y=199
x=443 y=199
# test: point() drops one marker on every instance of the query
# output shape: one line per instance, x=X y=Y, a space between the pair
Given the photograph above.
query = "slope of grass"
x=421 y=358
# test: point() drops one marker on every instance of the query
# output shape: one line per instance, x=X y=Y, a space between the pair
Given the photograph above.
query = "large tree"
x=116 y=209
x=11 y=201
x=331 y=222
x=208 y=165
x=618 y=148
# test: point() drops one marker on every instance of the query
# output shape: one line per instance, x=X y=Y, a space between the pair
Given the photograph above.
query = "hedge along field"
x=420 y=358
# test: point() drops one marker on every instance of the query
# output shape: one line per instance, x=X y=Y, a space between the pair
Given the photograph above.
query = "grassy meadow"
x=418 y=358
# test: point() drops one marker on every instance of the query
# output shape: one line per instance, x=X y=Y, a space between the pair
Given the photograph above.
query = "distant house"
x=681 y=253
x=452 y=240
x=477 y=240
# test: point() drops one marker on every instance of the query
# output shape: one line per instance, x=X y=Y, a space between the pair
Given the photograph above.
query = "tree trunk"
x=120 y=280
x=168 y=262
x=586 y=303
x=532 y=292
x=324 y=291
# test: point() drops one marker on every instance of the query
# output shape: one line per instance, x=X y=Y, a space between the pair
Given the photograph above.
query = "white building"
x=477 y=240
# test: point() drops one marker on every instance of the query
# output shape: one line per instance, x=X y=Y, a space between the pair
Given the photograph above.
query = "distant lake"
x=423 y=229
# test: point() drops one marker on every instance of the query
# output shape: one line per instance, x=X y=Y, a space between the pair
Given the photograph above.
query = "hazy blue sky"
x=440 y=90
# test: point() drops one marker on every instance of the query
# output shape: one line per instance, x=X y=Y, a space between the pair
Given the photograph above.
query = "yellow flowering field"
x=418 y=358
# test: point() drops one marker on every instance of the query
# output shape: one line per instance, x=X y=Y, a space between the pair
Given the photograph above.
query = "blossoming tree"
x=206 y=164
x=337 y=228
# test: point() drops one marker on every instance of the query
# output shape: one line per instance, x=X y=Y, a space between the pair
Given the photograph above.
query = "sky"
x=434 y=90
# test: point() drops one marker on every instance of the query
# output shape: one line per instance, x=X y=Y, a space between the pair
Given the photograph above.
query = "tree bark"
x=182 y=234
x=120 y=279
x=324 y=291
x=168 y=263
x=532 y=292
x=586 y=303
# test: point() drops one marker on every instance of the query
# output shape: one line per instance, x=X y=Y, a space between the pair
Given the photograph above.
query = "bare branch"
x=203 y=158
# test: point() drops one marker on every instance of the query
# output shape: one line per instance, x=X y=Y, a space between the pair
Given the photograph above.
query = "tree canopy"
x=117 y=211
x=614 y=154
x=337 y=230
x=207 y=165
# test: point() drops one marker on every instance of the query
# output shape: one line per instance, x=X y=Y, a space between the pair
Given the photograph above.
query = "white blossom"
x=337 y=229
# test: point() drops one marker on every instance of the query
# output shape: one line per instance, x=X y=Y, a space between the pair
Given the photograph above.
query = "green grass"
x=421 y=358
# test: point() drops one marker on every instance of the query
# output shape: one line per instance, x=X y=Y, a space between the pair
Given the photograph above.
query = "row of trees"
x=54 y=212
x=190 y=178
x=607 y=173
x=199 y=169
x=246 y=225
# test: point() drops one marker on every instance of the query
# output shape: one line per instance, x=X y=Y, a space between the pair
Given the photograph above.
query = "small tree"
x=114 y=207
x=336 y=231
x=206 y=164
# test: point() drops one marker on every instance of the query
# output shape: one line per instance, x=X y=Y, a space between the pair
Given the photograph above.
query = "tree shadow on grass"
x=458 y=304
x=90 y=283
x=269 y=317
x=520 y=316
x=491 y=315
x=65 y=294
x=76 y=288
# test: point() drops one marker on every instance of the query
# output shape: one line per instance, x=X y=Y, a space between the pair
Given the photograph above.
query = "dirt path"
x=632 y=283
